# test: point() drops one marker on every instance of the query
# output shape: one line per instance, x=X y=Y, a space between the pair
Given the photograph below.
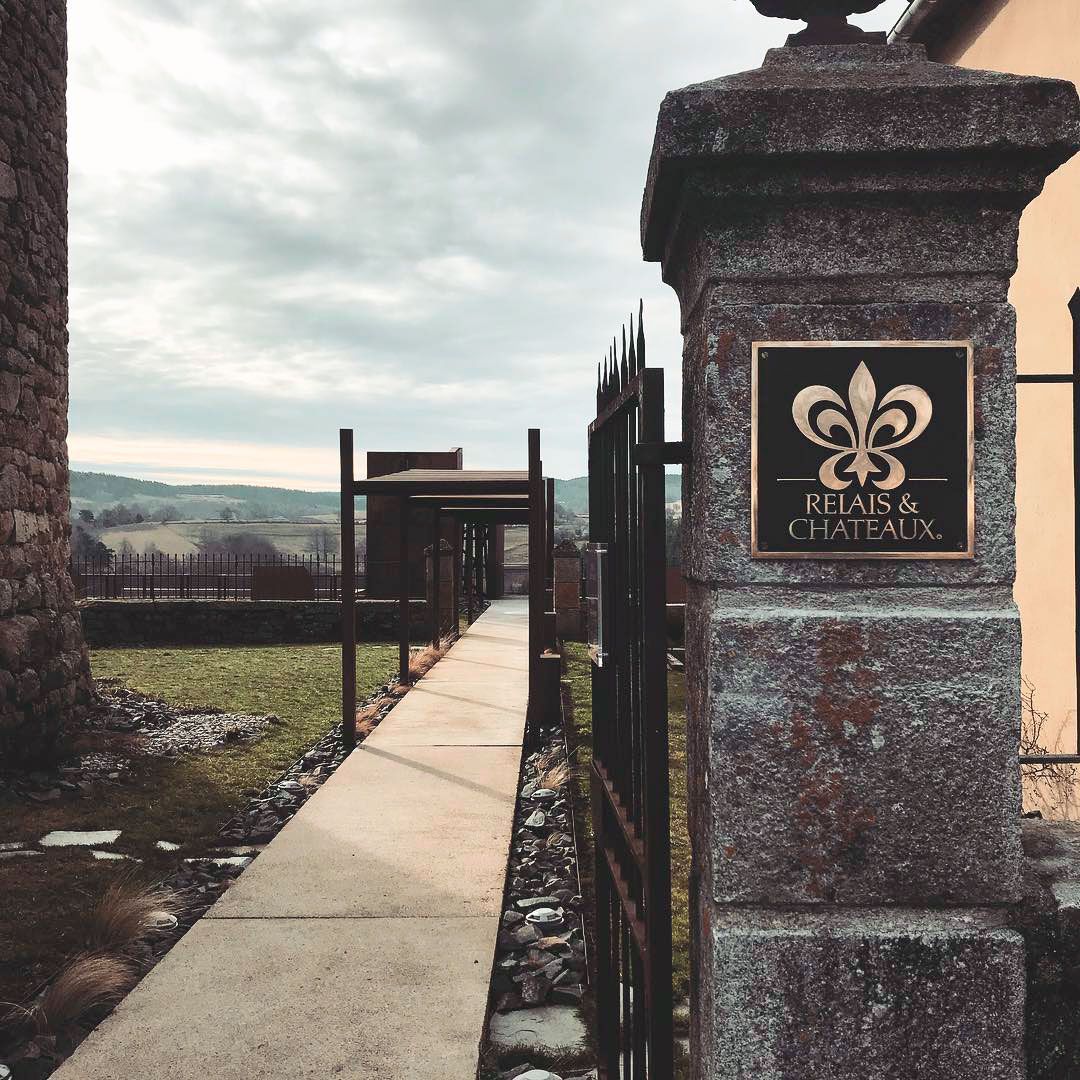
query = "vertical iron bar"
x=657 y=870
x=348 y=594
x=1074 y=311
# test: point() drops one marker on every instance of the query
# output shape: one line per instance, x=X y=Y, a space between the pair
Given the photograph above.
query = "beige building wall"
x=1042 y=37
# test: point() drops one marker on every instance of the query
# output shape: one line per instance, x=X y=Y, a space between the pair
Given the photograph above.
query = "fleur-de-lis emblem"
x=862 y=423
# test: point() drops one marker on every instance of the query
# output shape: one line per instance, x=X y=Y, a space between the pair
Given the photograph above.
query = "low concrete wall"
x=240 y=622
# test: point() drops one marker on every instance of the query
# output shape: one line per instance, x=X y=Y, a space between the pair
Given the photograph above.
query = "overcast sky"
x=415 y=218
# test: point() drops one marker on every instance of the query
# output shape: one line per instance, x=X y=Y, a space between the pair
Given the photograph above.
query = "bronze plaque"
x=862 y=450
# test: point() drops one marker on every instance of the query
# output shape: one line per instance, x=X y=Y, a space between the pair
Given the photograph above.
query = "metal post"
x=470 y=564
x=436 y=583
x=536 y=576
x=455 y=565
x=403 y=590
x=348 y=593
x=1074 y=311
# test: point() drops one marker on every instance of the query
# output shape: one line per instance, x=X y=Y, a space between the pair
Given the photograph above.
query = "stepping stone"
x=557 y=1028
x=17 y=854
x=63 y=838
x=113 y=856
x=229 y=860
x=12 y=845
x=167 y=845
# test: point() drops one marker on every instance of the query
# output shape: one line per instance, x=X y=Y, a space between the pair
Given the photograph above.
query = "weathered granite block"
x=873 y=994
x=835 y=738
x=1049 y=920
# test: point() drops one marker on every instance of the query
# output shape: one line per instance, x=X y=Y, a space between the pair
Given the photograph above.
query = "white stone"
x=64 y=838
x=558 y=1028
x=112 y=856
x=12 y=845
x=167 y=845
x=538 y=1074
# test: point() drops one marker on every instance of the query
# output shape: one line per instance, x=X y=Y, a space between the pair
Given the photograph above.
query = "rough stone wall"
x=241 y=622
x=44 y=673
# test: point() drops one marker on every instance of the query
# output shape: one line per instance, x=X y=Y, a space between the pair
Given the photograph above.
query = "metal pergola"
x=471 y=497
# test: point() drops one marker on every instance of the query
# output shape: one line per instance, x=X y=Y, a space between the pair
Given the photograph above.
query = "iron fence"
x=211 y=577
x=628 y=644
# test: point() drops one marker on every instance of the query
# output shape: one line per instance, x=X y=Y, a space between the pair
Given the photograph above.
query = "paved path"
x=358 y=945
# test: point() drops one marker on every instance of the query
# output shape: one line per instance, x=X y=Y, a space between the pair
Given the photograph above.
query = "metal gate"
x=628 y=644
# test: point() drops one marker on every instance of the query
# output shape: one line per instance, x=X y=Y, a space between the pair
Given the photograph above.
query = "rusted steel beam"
x=404 y=510
x=348 y=592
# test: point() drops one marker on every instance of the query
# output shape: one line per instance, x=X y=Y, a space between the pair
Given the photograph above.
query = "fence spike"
x=633 y=350
x=624 y=367
x=641 y=334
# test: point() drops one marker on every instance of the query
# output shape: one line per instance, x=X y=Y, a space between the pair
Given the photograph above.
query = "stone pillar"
x=568 y=621
x=44 y=674
x=447 y=615
x=854 y=789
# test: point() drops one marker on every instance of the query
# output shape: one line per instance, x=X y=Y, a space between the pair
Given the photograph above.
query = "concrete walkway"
x=359 y=943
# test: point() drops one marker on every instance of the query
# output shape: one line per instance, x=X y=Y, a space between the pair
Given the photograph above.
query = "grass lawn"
x=185 y=801
x=578 y=678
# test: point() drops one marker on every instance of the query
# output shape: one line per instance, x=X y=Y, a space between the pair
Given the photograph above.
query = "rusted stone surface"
x=852 y=725
x=838 y=739
x=44 y=677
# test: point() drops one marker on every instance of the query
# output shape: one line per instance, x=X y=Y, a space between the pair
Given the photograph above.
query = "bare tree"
x=323 y=543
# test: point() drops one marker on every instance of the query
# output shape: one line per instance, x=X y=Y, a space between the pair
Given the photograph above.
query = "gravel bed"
x=540 y=952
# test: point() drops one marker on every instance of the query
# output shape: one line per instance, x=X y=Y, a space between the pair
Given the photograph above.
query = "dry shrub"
x=1052 y=788
x=422 y=661
x=126 y=913
x=552 y=769
x=86 y=983
x=367 y=718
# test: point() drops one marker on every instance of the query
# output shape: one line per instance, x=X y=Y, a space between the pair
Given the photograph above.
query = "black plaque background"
x=940 y=451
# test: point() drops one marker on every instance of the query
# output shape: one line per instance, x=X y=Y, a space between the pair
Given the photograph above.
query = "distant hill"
x=574 y=494
x=96 y=491
x=249 y=502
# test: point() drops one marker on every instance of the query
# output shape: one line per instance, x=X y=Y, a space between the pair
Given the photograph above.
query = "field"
x=184 y=537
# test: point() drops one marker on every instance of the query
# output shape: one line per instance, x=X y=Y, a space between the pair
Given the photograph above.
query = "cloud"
x=412 y=218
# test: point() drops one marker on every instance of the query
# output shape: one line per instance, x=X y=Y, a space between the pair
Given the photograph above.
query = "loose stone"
x=535 y=902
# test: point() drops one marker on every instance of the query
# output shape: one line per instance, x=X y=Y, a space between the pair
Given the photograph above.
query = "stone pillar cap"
x=831 y=101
